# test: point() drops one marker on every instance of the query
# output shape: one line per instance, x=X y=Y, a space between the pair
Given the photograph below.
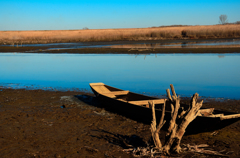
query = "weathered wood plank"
x=101 y=89
x=145 y=102
x=230 y=116
x=116 y=93
x=216 y=115
x=97 y=84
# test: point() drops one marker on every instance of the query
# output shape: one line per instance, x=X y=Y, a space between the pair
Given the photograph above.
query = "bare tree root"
x=177 y=127
x=143 y=151
x=179 y=121
x=199 y=149
x=154 y=128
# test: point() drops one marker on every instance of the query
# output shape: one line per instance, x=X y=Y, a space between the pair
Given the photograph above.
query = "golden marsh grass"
x=157 y=33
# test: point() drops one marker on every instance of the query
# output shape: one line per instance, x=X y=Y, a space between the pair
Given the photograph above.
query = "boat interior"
x=125 y=96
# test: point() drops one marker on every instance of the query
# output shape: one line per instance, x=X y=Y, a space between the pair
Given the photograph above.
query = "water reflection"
x=59 y=46
x=221 y=56
x=192 y=44
x=207 y=74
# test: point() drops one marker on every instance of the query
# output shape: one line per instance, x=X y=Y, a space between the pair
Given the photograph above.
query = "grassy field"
x=157 y=33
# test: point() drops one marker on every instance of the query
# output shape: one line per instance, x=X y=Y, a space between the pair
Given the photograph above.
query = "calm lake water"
x=192 y=44
x=211 y=75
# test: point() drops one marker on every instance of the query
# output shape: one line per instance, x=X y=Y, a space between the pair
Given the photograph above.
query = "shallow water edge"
x=211 y=75
x=119 y=50
x=131 y=47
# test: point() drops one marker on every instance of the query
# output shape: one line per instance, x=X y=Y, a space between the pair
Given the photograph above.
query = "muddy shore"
x=38 y=123
x=119 y=50
x=106 y=50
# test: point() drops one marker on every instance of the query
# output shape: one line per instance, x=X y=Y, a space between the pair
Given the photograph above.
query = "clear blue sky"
x=101 y=14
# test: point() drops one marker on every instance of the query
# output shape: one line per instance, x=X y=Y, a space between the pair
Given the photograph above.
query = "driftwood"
x=180 y=119
x=178 y=123
x=199 y=149
x=152 y=152
x=154 y=128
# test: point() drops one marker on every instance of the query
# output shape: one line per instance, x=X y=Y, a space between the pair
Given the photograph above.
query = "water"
x=193 y=44
x=211 y=75
x=58 y=46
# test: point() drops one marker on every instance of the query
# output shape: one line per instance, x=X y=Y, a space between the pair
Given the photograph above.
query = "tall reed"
x=157 y=33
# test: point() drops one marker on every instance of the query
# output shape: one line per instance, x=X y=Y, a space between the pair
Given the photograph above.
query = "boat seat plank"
x=145 y=102
x=116 y=93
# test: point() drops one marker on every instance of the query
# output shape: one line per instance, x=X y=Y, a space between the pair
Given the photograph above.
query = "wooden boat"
x=135 y=106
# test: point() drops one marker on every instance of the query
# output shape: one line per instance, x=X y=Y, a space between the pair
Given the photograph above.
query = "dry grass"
x=192 y=32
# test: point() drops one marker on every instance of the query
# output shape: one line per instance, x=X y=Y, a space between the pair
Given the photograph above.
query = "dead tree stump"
x=178 y=123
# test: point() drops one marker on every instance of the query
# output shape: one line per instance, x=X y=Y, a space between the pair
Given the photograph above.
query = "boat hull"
x=144 y=114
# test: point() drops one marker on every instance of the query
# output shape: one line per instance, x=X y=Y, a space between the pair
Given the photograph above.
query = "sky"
x=105 y=14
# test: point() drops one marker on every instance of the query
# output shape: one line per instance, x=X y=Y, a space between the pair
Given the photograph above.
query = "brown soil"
x=38 y=123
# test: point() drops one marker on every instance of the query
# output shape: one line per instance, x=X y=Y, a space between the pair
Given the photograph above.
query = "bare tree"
x=223 y=19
